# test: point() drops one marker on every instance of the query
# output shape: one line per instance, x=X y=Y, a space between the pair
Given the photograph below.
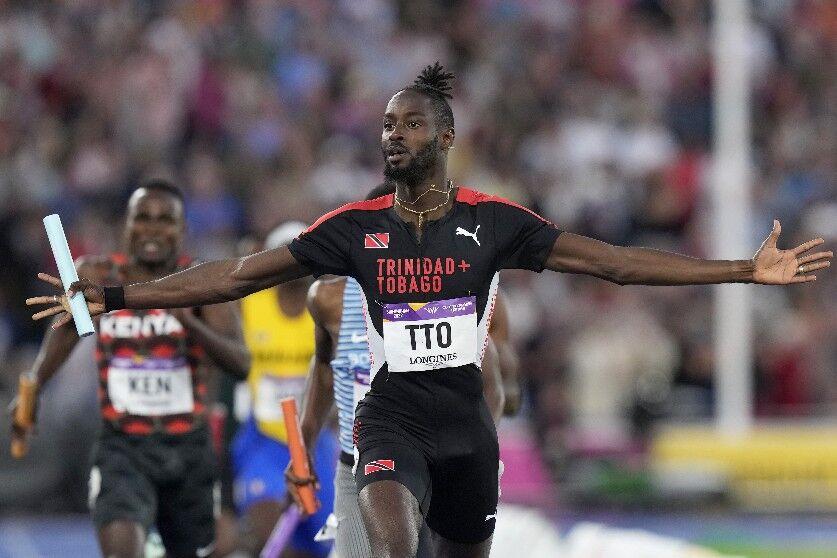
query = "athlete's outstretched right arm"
x=57 y=345
x=206 y=283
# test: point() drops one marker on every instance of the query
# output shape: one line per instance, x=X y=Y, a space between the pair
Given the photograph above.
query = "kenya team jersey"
x=149 y=378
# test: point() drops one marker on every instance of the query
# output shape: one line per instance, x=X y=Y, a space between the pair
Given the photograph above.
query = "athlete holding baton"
x=426 y=259
x=154 y=463
x=305 y=496
x=24 y=404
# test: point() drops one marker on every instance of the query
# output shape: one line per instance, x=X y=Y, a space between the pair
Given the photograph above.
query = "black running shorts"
x=447 y=461
x=162 y=480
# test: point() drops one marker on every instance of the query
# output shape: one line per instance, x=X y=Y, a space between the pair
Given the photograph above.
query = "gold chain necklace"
x=421 y=214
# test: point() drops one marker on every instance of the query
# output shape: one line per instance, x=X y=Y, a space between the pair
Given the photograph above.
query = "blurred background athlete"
x=279 y=332
x=154 y=465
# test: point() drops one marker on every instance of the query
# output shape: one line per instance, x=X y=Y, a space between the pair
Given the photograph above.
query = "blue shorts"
x=259 y=463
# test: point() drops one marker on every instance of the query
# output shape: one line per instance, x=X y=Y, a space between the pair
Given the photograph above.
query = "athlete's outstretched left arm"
x=205 y=283
x=644 y=266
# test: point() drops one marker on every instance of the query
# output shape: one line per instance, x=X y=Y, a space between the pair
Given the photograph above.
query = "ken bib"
x=149 y=378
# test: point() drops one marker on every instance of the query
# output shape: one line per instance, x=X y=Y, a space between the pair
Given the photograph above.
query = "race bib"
x=272 y=390
x=427 y=336
x=150 y=387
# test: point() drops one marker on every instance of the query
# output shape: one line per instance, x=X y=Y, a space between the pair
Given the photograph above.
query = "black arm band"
x=114 y=298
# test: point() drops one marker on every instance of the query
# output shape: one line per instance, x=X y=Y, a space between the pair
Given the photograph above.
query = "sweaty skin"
x=409 y=126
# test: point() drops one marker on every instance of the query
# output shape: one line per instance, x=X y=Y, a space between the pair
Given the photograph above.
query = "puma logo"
x=462 y=232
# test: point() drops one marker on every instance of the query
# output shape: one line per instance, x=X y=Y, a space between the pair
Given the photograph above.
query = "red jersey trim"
x=472 y=197
x=383 y=202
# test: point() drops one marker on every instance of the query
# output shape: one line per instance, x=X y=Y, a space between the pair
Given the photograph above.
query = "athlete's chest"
x=455 y=256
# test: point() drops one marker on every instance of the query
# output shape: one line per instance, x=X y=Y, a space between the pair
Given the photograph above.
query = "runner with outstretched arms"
x=427 y=259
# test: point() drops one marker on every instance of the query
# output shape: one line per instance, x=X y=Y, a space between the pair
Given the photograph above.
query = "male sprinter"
x=426 y=259
x=340 y=374
x=279 y=332
x=154 y=463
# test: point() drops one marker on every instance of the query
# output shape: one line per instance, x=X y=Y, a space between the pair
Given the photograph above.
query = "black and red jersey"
x=428 y=303
x=150 y=378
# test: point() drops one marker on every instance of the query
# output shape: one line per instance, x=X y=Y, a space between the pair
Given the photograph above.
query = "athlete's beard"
x=420 y=168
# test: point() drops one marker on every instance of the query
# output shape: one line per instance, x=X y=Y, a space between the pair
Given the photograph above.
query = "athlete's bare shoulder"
x=95 y=268
x=325 y=299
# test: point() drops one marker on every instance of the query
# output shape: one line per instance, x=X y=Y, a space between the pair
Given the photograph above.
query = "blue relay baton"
x=67 y=271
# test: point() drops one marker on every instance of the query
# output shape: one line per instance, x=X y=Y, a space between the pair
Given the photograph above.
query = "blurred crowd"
x=596 y=113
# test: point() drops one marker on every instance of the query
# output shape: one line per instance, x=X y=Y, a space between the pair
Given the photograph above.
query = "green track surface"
x=756 y=551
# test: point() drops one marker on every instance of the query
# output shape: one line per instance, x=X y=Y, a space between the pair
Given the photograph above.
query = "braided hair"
x=434 y=82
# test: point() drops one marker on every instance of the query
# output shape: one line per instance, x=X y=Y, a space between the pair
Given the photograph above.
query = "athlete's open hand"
x=60 y=303
x=293 y=482
x=773 y=266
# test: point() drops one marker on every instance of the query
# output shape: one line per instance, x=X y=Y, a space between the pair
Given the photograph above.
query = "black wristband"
x=114 y=298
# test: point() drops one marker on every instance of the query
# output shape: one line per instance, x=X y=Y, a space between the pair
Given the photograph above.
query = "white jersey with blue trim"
x=351 y=362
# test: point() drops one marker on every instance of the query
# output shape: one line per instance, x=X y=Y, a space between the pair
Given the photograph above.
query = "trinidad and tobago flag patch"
x=376 y=240
x=379 y=465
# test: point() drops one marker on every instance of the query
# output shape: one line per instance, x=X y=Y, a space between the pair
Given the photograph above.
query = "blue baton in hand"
x=67 y=272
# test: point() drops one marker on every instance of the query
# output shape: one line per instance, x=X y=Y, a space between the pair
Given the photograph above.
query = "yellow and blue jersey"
x=281 y=347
